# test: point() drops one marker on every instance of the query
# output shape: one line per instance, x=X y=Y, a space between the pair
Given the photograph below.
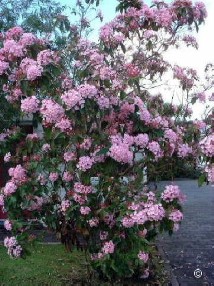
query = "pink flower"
x=18 y=174
x=9 y=188
x=7 y=157
x=141 y=140
x=86 y=144
x=51 y=111
x=72 y=99
x=46 y=147
x=143 y=256
x=171 y=135
x=30 y=104
x=184 y=150
x=80 y=199
x=85 y=210
x=82 y=189
x=171 y=193
x=155 y=148
x=12 y=246
x=67 y=176
x=7 y=225
x=207 y=145
x=64 y=125
x=69 y=156
x=3 y=66
x=103 y=102
x=93 y=222
x=85 y=163
x=65 y=205
x=13 y=49
x=176 y=216
x=155 y=212
x=128 y=222
x=132 y=70
x=121 y=153
x=46 y=57
x=87 y=91
x=53 y=177
x=34 y=71
x=28 y=39
x=108 y=247
x=14 y=32
x=139 y=217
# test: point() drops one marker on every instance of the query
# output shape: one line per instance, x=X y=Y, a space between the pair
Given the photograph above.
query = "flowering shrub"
x=99 y=121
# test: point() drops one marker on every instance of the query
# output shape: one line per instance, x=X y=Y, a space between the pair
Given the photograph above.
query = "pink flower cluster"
x=82 y=189
x=34 y=71
x=51 y=111
x=108 y=247
x=30 y=104
x=93 y=222
x=64 y=125
x=171 y=135
x=72 y=99
x=85 y=163
x=7 y=157
x=7 y=225
x=53 y=177
x=141 y=140
x=46 y=57
x=176 y=216
x=184 y=150
x=155 y=212
x=143 y=256
x=69 y=156
x=155 y=148
x=3 y=67
x=120 y=149
x=207 y=145
x=46 y=147
x=86 y=144
x=67 y=176
x=85 y=210
x=172 y=192
x=185 y=76
x=13 y=248
x=9 y=188
x=18 y=175
x=87 y=91
x=65 y=205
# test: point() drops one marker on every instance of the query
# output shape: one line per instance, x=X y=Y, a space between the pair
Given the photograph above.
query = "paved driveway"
x=192 y=247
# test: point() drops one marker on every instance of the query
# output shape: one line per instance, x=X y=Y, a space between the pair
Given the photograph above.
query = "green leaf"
x=102 y=151
x=201 y=180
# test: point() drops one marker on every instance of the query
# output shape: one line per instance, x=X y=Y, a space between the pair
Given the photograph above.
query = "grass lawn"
x=52 y=265
x=48 y=265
